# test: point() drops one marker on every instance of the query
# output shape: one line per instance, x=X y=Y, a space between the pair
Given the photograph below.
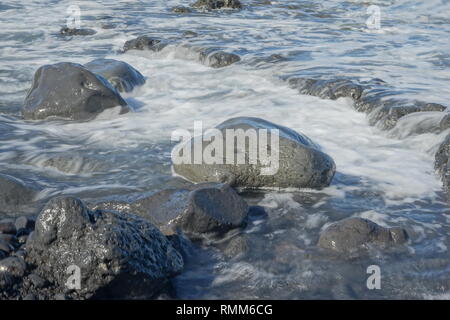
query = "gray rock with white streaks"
x=300 y=163
x=204 y=208
x=354 y=234
x=119 y=74
x=119 y=255
x=70 y=91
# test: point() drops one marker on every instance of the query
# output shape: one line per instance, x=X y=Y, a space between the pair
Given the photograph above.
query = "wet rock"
x=70 y=91
x=60 y=296
x=236 y=247
x=6 y=280
x=76 y=32
x=444 y=124
x=204 y=208
x=218 y=59
x=14 y=193
x=327 y=89
x=5 y=247
x=181 y=10
x=441 y=163
x=15 y=266
x=120 y=75
x=8 y=238
x=7 y=226
x=144 y=43
x=217 y=4
x=353 y=234
x=387 y=116
x=24 y=225
x=37 y=281
x=30 y=296
x=119 y=255
x=298 y=163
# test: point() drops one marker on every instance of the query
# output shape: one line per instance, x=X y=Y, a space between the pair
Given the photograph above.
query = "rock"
x=218 y=59
x=65 y=31
x=60 y=296
x=70 y=91
x=2 y=255
x=441 y=163
x=119 y=255
x=327 y=89
x=299 y=163
x=353 y=234
x=6 y=280
x=387 y=115
x=7 y=226
x=190 y=34
x=5 y=247
x=144 y=43
x=120 y=75
x=217 y=4
x=15 y=266
x=236 y=247
x=24 y=225
x=8 y=238
x=204 y=208
x=30 y=296
x=444 y=124
x=14 y=193
x=181 y=10
x=37 y=281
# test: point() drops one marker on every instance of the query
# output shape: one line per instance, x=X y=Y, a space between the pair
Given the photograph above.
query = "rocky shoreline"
x=132 y=250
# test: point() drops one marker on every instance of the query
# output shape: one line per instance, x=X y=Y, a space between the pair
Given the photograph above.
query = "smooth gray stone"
x=14 y=266
x=69 y=91
x=353 y=234
x=300 y=164
x=119 y=255
x=119 y=74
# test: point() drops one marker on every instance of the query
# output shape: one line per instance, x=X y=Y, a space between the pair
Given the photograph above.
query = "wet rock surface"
x=350 y=236
x=217 y=4
x=70 y=91
x=14 y=193
x=218 y=59
x=76 y=32
x=300 y=163
x=201 y=209
x=119 y=255
x=144 y=43
x=122 y=76
x=442 y=164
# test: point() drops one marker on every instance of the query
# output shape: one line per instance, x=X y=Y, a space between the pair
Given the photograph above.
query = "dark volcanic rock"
x=119 y=255
x=442 y=164
x=7 y=226
x=204 y=208
x=24 y=225
x=217 y=4
x=353 y=234
x=144 y=43
x=65 y=31
x=218 y=59
x=5 y=247
x=14 y=266
x=70 y=91
x=14 y=193
x=327 y=89
x=120 y=75
x=298 y=163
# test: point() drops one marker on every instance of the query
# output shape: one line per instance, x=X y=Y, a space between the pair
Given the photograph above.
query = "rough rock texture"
x=353 y=234
x=119 y=255
x=301 y=164
x=217 y=4
x=204 y=208
x=119 y=74
x=218 y=59
x=70 y=91
x=181 y=10
x=442 y=164
x=327 y=89
x=76 y=32
x=14 y=193
x=144 y=43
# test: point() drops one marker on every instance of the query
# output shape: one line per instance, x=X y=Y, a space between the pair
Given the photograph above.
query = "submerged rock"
x=204 y=208
x=218 y=59
x=14 y=193
x=217 y=4
x=181 y=9
x=144 y=43
x=119 y=255
x=119 y=74
x=70 y=91
x=76 y=32
x=353 y=234
x=296 y=161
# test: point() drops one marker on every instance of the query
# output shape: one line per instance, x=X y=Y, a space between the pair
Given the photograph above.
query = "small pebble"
x=7 y=226
x=13 y=265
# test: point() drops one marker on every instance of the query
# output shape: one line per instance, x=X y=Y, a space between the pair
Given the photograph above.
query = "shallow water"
x=386 y=176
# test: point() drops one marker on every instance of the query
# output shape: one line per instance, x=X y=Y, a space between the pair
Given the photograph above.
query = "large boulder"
x=119 y=74
x=217 y=4
x=70 y=91
x=252 y=163
x=119 y=255
x=14 y=193
x=352 y=235
x=208 y=208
